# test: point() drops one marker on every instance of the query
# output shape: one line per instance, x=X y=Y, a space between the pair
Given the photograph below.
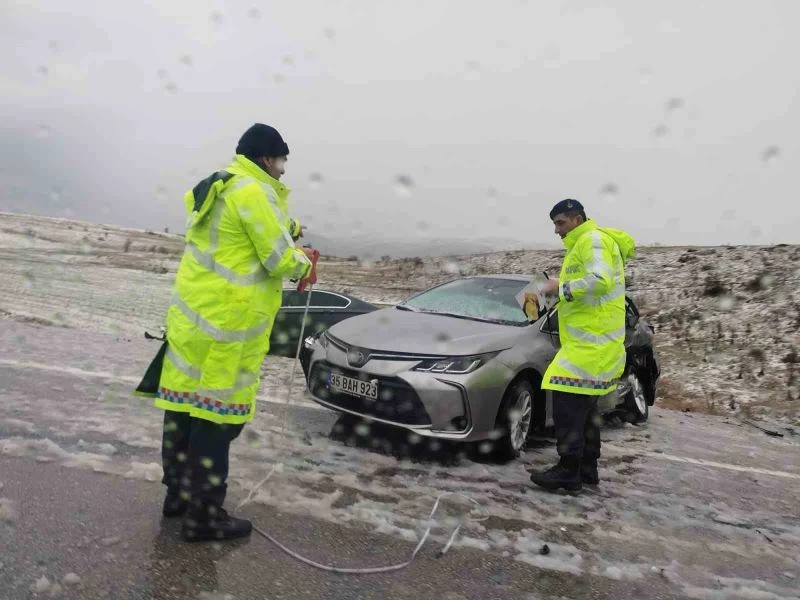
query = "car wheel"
x=635 y=399
x=514 y=420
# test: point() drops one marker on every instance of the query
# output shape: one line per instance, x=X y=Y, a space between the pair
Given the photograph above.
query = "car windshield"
x=480 y=298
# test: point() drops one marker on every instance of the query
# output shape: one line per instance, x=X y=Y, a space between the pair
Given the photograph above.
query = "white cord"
x=371 y=570
x=279 y=467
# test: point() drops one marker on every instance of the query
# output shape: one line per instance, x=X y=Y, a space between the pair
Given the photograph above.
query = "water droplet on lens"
x=171 y=87
x=766 y=281
x=187 y=60
x=726 y=302
x=404 y=186
x=315 y=181
x=452 y=268
x=609 y=192
x=41 y=586
x=771 y=155
x=674 y=105
x=217 y=18
x=491 y=197
x=330 y=33
x=43 y=70
x=254 y=13
x=288 y=60
x=661 y=132
x=716 y=357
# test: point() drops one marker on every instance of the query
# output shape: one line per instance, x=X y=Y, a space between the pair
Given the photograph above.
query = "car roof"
x=510 y=276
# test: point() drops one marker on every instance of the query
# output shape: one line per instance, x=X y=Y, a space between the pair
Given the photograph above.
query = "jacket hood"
x=626 y=243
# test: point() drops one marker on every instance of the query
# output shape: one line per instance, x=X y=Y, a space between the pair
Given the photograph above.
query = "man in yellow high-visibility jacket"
x=591 y=326
x=228 y=290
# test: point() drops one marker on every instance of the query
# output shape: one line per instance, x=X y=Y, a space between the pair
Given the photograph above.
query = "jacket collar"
x=572 y=237
x=256 y=172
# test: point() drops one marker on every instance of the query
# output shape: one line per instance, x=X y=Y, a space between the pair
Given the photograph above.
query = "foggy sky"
x=676 y=121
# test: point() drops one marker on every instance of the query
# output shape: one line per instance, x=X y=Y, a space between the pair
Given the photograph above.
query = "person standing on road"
x=228 y=290
x=591 y=323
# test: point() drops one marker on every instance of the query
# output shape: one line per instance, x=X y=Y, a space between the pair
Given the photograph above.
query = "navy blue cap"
x=568 y=205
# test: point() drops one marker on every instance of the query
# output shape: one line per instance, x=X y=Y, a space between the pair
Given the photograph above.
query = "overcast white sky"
x=687 y=111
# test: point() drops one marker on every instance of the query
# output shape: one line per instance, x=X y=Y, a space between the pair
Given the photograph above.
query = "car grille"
x=397 y=401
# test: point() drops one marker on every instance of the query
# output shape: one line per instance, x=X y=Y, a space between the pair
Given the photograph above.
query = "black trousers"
x=577 y=425
x=194 y=455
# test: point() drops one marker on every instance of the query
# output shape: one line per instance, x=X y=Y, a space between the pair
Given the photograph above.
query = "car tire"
x=514 y=420
x=635 y=402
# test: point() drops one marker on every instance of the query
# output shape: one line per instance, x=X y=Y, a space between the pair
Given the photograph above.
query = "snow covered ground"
x=694 y=504
x=727 y=318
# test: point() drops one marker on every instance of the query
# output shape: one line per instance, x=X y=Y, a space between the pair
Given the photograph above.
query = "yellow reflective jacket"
x=591 y=311
x=227 y=292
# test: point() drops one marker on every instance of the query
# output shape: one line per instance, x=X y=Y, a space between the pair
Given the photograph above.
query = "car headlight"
x=322 y=338
x=457 y=365
x=310 y=340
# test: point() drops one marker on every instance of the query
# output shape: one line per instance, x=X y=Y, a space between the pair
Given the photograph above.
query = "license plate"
x=353 y=387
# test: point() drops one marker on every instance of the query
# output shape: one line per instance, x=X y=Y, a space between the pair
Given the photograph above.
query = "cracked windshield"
x=335 y=299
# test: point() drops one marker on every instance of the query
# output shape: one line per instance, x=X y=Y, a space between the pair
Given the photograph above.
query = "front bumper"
x=436 y=405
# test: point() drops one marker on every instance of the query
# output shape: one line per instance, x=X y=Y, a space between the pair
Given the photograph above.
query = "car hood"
x=396 y=331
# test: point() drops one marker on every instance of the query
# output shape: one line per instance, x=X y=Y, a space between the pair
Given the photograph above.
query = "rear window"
x=295 y=298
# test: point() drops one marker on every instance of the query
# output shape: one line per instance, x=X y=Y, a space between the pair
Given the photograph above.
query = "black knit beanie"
x=262 y=140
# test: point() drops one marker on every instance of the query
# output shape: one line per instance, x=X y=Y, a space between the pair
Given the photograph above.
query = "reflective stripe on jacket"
x=227 y=292
x=591 y=311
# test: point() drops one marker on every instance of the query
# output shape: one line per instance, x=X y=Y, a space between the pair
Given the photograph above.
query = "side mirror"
x=631 y=315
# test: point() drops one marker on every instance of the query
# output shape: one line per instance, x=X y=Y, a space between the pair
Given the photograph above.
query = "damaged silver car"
x=462 y=362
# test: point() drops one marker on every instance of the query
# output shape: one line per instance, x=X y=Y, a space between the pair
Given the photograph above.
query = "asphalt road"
x=690 y=505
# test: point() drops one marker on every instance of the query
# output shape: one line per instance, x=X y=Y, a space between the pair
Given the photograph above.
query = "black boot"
x=174 y=505
x=589 y=473
x=214 y=524
x=566 y=474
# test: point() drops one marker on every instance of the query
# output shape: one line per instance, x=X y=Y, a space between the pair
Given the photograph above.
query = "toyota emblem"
x=357 y=358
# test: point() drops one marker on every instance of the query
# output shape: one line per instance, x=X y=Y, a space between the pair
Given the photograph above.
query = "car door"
x=549 y=326
x=632 y=337
x=324 y=309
